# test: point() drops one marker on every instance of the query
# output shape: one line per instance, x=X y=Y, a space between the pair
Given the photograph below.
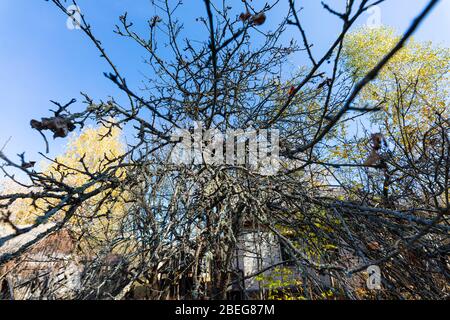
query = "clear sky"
x=42 y=60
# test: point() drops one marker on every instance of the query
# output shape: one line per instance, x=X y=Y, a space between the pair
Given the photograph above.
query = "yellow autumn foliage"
x=414 y=85
x=98 y=147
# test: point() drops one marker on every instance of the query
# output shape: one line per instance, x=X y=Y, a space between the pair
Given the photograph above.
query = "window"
x=286 y=254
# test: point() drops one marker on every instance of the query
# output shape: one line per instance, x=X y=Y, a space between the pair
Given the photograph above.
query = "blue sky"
x=42 y=60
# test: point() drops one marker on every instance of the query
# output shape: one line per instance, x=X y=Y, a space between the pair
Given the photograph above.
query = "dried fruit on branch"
x=374 y=158
x=245 y=16
x=377 y=141
x=259 y=19
x=60 y=126
x=291 y=91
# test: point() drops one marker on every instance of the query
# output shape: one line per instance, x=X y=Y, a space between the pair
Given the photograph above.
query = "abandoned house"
x=51 y=270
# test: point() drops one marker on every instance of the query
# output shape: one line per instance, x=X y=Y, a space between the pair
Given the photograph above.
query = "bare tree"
x=184 y=221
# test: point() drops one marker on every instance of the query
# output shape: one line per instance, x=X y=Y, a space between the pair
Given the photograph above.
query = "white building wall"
x=257 y=250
